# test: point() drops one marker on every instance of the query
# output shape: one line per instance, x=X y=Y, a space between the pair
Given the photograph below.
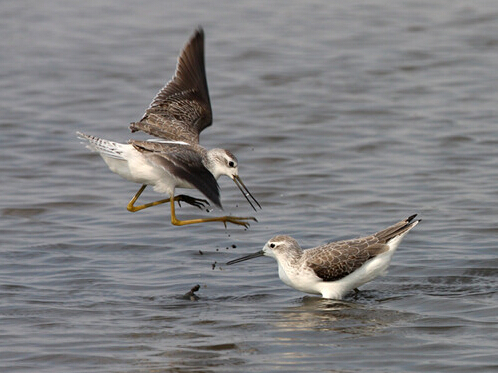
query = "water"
x=345 y=118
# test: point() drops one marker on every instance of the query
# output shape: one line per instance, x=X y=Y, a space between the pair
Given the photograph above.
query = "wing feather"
x=332 y=263
x=336 y=260
x=183 y=162
x=181 y=109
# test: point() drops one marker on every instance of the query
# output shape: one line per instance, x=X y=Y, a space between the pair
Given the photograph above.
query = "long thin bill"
x=245 y=191
x=247 y=257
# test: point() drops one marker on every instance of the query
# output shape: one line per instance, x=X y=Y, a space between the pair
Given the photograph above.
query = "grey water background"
x=346 y=117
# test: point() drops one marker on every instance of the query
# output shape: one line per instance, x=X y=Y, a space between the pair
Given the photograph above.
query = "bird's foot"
x=237 y=220
x=196 y=202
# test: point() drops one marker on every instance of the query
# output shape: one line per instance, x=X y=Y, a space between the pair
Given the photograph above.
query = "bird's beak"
x=245 y=191
x=247 y=257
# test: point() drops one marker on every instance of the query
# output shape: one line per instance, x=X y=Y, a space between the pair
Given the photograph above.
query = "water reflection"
x=340 y=316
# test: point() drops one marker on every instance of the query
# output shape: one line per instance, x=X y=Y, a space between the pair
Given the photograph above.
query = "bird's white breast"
x=299 y=278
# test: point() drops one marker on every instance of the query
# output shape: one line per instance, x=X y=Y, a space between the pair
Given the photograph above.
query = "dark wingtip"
x=410 y=218
x=198 y=34
x=215 y=198
x=133 y=128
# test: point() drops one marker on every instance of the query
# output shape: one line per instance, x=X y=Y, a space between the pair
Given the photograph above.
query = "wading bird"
x=335 y=268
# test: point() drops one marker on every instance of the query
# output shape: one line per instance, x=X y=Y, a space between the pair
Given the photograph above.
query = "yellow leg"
x=223 y=219
x=190 y=200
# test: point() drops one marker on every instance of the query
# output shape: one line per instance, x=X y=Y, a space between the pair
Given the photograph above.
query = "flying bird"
x=174 y=158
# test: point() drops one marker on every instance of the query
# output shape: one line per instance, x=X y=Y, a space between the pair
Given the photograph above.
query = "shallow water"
x=345 y=118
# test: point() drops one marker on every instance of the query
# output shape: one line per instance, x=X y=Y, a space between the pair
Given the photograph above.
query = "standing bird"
x=176 y=116
x=335 y=268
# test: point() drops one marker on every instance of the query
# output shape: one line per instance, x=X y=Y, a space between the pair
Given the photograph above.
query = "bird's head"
x=223 y=162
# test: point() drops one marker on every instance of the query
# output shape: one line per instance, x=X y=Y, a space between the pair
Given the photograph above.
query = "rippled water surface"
x=345 y=118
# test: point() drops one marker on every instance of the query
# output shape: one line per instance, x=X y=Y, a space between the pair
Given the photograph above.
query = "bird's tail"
x=399 y=229
x=106 y=148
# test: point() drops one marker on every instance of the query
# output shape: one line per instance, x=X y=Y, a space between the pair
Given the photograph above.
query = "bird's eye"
x=231 y=164
x=272 y=245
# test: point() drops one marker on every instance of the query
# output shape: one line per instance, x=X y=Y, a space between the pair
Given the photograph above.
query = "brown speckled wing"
x=334 y=261
x=182 y=109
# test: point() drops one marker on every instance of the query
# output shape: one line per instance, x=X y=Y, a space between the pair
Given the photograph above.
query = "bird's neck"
x=282 y=273
x=288 y=266
x=209 y=160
